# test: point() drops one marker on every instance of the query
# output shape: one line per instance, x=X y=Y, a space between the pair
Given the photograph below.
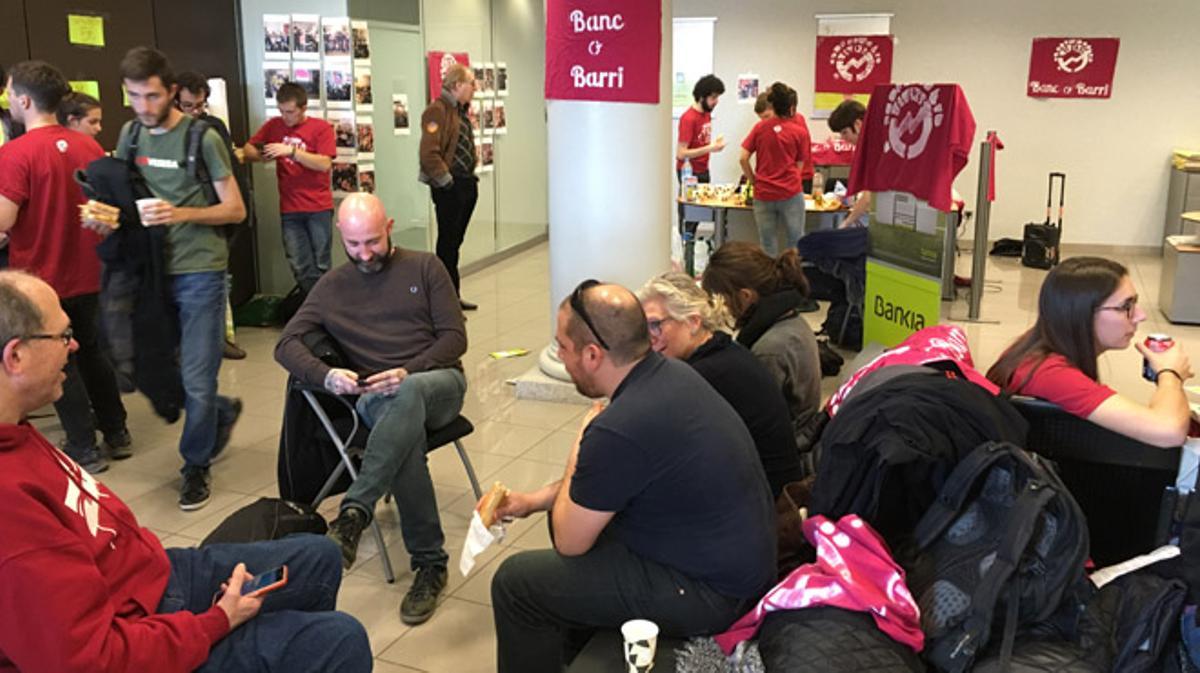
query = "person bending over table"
x=1089 y=305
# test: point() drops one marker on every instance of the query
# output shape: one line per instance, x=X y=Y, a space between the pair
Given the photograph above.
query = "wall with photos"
x=375 y=99
x=1115 y=152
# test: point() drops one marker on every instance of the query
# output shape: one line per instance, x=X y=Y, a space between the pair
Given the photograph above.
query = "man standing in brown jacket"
x=448 y=166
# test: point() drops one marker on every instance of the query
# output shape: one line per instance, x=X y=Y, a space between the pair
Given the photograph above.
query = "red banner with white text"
x=1072 y=67
x=608 y=51
x=849 y=66
x=439 y=62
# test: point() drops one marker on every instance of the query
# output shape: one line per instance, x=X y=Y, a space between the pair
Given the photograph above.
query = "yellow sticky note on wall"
x=85 y=30
x=89 y=86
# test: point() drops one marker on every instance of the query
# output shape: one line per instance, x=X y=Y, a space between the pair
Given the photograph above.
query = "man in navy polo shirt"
x=663 y=513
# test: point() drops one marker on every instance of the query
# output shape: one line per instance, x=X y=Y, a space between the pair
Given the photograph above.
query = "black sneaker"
x=118 y=444
x=421 y=600
x=89 y=459
x=225 y=428
x=195 y=491
x=345 y=531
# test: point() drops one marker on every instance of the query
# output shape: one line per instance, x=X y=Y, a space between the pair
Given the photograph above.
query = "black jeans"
x=541 y=598
x=454 y=206
x=91 y=385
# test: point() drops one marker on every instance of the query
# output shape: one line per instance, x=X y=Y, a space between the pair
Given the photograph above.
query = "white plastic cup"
x=641 y=640
x=143 y=204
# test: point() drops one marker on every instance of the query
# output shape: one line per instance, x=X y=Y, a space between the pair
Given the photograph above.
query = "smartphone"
x=362 y=378
x=264 y=583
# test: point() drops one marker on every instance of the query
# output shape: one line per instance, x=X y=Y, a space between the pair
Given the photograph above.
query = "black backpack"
x=197 y=168
x=266 y=519
x=1003 y=546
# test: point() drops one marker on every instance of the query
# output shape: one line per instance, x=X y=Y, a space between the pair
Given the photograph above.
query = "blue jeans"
x=200 y=300
x=769 y=215
x=395 y=456
x=296 y=629
x=306 y=241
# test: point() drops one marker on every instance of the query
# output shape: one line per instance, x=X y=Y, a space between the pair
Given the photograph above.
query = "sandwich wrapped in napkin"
x=485 y=527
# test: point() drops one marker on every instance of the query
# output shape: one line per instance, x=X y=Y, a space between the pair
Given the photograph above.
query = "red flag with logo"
x=1072 y=67
x=439 y=63
x=851 y=64
x=608 y=51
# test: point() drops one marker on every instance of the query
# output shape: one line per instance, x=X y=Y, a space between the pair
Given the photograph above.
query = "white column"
x=611 y=180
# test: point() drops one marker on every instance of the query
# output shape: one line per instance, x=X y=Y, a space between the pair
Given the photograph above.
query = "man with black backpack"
x=193 y=204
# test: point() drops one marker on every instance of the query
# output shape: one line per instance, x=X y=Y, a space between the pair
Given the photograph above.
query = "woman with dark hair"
x=1089 y=305
x=80 y=112
x=780 y=149
x=687 y=323
x=765 y=296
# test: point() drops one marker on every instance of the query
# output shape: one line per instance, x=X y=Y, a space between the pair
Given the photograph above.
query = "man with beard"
x=696 y=141
x=406 y=369
x=197 y=254
x=663 y=511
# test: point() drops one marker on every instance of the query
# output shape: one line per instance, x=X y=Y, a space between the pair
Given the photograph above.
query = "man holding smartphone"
x=83 y=587
x=396 y=317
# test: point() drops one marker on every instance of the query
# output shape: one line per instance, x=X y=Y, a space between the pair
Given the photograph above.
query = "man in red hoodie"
x=84 y=588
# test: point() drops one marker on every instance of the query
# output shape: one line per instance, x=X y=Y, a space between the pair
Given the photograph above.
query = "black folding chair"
x=451 y=433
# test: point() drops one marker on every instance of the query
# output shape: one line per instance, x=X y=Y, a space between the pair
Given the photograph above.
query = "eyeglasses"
x=65 y=337
x=577 y=306
x=655 y=326
x=1127 y=307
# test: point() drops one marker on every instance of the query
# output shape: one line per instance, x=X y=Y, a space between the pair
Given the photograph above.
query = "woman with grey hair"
x=686 y=323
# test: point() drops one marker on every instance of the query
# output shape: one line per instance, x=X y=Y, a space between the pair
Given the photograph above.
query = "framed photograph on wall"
x=366 y=138
x=345 y=137
x=362 y=40
x=366 y=178
x=344 y=177
x=277 y=39
x=275 y=73
x=308 y=75
x=335 y=34
x=499 y=122
x=339 y=84
x=474 y=113
x=400 y=115
x=306 y=37
x=501 y=79
x=363 y=99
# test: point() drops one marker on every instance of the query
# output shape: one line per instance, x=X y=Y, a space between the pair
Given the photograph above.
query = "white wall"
x=1115 y=152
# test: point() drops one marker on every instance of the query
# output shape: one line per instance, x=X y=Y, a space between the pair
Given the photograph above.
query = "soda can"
x=1157 y=343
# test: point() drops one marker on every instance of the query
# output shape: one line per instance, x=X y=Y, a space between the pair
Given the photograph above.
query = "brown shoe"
x=233 y=352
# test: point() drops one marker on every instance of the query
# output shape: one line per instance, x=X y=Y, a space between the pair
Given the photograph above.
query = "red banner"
x=610 y=55
x=851 y=64
x=1072 y=67
x=439 y=62
x=833 y=152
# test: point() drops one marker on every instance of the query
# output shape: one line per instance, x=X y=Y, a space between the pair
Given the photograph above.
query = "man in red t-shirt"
x=39 y=210
x=696 y=141
x=303 y=150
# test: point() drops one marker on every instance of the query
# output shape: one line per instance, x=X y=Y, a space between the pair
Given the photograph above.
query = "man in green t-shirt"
x=197 y=254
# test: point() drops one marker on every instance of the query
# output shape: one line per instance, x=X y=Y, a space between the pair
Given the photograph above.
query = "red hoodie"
x=79 y=579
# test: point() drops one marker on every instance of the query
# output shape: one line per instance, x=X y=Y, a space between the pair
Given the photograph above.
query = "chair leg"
x=388 y=574
x=466 y=461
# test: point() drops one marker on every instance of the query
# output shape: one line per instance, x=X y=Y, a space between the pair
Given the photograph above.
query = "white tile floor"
x=522 y=443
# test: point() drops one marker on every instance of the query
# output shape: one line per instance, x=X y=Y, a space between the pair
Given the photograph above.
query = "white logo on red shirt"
x=83 y=497
x=705 y=133
x=61 y=145
x=911 y=114
x=1073 y=55
x=855 y=58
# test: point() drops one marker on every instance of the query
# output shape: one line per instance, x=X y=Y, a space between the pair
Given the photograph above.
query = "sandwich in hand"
x=490 y=502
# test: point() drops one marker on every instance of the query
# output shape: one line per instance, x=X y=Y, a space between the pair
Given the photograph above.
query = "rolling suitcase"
x=1040 y=245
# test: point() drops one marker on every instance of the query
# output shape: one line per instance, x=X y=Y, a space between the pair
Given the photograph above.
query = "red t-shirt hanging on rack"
x=916 y=139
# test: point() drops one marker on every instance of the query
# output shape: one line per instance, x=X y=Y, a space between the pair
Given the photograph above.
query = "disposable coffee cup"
x=143 y=204
x=641 y=639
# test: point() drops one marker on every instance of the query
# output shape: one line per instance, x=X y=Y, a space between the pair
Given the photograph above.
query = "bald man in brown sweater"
x=397 y=319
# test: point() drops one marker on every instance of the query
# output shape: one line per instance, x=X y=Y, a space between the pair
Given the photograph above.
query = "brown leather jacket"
x=439 y=136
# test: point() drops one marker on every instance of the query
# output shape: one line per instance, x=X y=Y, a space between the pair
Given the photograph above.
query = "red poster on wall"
x=439 y=62
x=608 y=51
x=1072 y=67
x=851 y=64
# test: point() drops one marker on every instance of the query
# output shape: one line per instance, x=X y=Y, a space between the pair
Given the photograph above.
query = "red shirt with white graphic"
x=36 y=173
x=916 y=138
x=695 y=129
x=779 y=146
x=80 y=580
x=301 y=190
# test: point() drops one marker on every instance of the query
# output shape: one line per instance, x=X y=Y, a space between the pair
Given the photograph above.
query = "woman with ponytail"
x=688 y=324
x=781 y=148
x=765 y=296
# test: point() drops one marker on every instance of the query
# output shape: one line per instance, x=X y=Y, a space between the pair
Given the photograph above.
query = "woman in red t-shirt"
x=1089 y=305
x=780 y=149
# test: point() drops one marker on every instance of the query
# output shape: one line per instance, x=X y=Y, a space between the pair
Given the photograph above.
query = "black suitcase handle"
x=1062 y=194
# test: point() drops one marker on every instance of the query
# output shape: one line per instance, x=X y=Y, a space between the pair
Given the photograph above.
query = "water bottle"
x=818 y=186
x=685 y=177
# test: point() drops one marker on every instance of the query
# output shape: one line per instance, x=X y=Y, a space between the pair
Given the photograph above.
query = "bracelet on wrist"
x=1167 y=370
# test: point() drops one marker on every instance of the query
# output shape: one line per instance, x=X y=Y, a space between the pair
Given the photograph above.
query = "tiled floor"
x=522 y=443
